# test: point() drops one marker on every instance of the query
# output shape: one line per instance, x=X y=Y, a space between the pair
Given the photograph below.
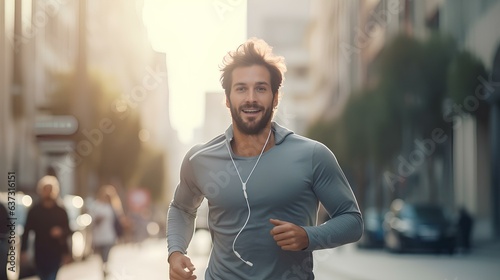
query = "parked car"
x=418 y=227
x=373 y=234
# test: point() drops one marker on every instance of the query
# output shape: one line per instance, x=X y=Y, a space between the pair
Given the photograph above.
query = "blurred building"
x=19 y=95
x=476 y=150
x=340 y=53
x=285 y=28
x=217 y=116
x=6 y=96
x=41 y=39
x=346 y=38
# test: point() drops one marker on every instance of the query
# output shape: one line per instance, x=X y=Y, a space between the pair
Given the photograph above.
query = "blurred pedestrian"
x=4 y=246
x=106 y=212
x=263 y=184
x=49 y=221
x=465 y=224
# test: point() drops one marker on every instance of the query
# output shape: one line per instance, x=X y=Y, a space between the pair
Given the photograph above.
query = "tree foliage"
x=409 y=80
x=116 y=153
x=463 y=80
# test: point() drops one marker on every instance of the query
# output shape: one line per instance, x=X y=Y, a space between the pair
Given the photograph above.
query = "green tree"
x=117 y=153
x=463 y=81
x=402 y=103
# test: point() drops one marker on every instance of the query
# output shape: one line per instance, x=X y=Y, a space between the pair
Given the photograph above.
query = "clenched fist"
x=289 y=236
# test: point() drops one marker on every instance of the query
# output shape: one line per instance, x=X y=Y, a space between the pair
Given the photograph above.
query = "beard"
x=253 y=126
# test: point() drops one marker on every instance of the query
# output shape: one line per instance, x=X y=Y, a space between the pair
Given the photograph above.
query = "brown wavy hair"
x=253 y=52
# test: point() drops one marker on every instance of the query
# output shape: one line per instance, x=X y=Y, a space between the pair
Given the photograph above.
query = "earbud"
x=238 y=255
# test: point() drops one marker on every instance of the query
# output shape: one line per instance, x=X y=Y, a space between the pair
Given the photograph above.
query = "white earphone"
x=244 y=188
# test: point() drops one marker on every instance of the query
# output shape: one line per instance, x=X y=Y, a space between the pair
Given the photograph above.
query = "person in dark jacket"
x=49 y=221
x=465 y=223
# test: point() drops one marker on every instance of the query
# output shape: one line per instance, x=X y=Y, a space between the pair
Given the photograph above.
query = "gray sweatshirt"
x=287 y=184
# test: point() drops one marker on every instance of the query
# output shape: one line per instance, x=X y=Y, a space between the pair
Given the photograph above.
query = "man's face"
x=251 y=100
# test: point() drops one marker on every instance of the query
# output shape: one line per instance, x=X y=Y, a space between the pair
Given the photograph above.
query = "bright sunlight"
x=195 y=35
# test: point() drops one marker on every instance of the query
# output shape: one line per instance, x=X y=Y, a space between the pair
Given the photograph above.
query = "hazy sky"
x=195 y=35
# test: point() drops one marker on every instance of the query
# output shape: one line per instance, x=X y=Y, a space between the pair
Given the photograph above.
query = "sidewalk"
x=350 y=263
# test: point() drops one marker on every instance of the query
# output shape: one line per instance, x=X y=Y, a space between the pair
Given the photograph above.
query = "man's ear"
x=275 y=100
x=228 y=104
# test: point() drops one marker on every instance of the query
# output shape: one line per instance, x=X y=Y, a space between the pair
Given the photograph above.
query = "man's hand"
x=24 y=258
x=289 y=236
x=66 y=259
x=56 y=232
x=180 y=267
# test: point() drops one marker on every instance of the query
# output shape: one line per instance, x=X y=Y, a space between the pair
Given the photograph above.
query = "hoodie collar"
x=280 y=133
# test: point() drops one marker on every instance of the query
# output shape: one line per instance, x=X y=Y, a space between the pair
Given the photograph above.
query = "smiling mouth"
x=250 y=111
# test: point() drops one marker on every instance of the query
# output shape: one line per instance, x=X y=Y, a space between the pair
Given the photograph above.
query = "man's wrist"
x=172 y=254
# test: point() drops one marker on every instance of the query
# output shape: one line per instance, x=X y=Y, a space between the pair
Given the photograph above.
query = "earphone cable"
x=244 y=187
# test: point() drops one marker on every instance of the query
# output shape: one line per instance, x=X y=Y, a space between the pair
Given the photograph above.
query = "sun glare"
x=194 y=35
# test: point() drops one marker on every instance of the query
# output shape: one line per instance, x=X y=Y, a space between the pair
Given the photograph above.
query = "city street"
x=113 y=111
x=147 y=261
x=350 y=263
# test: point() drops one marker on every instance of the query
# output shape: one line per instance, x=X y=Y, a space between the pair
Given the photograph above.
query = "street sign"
x=55 y=125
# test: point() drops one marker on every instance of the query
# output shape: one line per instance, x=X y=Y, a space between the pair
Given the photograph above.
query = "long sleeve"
x=182 y=210
x=332 y=189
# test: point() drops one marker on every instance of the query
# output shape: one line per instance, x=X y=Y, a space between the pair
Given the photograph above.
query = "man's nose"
x=251 y=97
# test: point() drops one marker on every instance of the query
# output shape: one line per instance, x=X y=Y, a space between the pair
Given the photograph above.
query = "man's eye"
x=240 y=89
x=261 y=89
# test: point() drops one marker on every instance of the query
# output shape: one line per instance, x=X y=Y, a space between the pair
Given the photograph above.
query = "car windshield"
x=427 y=213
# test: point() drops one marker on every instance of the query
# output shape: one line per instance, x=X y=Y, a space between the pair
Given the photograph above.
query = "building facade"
x=39 y=41
x=286 y=30
x=476 y=166
x=348 y=36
